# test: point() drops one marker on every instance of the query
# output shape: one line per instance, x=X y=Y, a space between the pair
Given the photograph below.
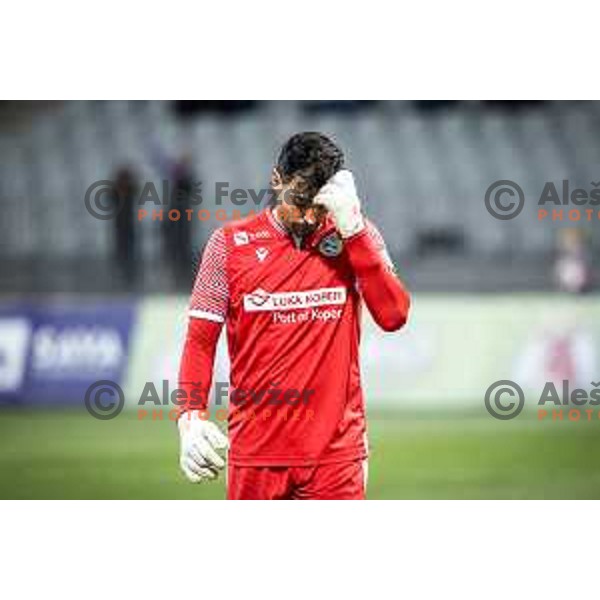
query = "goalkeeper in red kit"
x=289 y=284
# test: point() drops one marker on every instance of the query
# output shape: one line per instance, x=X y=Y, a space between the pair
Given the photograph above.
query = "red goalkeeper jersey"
x=292 y=313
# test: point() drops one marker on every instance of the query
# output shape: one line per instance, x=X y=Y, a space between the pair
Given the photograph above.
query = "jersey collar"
x=275 y=222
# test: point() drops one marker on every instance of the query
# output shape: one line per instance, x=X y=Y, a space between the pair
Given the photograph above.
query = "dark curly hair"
x=311 y=155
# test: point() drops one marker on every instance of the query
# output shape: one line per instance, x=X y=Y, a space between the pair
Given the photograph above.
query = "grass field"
x=66 y=454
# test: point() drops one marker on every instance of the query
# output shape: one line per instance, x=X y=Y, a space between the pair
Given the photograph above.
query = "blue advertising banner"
x=51 y=353
x=15 y=339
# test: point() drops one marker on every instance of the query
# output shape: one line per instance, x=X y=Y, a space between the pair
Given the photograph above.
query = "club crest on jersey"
x=331 y=245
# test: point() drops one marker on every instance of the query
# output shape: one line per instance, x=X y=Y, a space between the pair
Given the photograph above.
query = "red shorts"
x=336 y=481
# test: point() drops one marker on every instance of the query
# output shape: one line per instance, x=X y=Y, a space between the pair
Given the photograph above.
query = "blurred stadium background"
x=84 y=299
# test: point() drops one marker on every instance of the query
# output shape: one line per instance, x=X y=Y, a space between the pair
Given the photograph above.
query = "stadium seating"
x=422 y=173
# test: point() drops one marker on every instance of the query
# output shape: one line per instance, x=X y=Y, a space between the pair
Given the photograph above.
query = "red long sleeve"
x=197 y=359
x=384 y=294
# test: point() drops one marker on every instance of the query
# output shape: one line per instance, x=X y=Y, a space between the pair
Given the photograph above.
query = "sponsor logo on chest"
x=259 y=300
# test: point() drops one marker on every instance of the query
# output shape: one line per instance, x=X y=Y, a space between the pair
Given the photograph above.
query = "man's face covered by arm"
x=306 y=162
x=295 y=207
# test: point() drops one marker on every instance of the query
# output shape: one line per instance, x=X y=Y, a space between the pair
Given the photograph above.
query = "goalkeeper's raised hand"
x=340 y=199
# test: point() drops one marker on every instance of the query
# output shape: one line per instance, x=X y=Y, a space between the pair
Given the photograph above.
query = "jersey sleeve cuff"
x=207 y=316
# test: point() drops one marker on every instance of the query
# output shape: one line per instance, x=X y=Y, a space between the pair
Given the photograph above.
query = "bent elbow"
x=393 y=322
x=396 y=319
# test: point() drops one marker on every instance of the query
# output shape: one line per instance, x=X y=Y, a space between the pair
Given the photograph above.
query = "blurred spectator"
x=177 y=234
x=572 y=268
x=126 y=190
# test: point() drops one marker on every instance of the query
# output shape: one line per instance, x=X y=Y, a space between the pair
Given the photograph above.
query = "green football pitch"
x=67 y=454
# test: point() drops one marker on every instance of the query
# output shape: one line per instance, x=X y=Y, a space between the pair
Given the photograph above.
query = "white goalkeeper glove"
x=339 y=197
x=199 y=442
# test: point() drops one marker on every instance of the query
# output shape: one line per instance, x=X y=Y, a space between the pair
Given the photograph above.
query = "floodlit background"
x=85 y=297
